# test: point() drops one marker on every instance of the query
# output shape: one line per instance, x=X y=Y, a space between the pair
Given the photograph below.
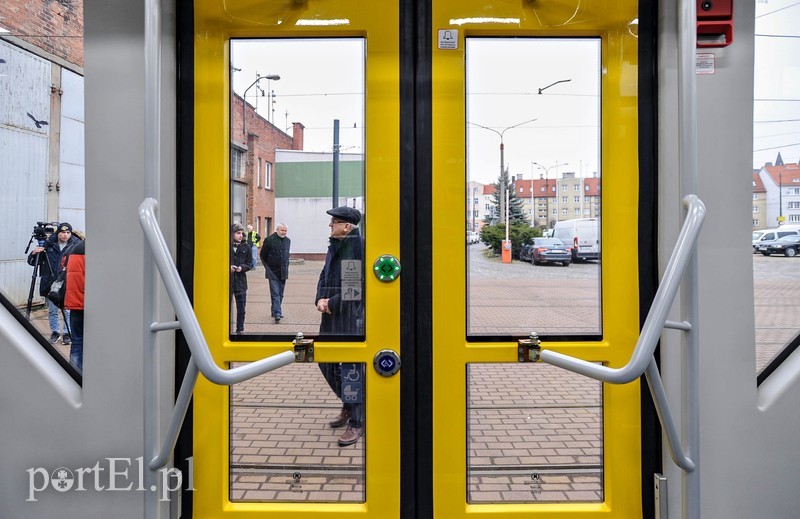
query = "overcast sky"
x=776 y=126
x=320 y=81
x=324 y=80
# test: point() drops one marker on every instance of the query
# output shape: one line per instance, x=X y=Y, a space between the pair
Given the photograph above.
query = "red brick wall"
x=55 y=26
x=262 y=139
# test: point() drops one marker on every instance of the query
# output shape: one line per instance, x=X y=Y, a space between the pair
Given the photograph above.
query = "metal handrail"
x=201 y=359
x=642 y=356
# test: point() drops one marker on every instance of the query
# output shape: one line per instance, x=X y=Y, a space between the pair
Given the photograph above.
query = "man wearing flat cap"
x=342 y=308
x=54 y=248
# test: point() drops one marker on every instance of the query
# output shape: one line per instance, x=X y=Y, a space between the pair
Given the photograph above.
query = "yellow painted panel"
x=216 y=22
x=612 y=22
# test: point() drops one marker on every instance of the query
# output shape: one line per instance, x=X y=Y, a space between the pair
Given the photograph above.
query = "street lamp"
x=271 y=77
x=503 y=180
x=547 y=184
x=552 y=84
x=504 y=196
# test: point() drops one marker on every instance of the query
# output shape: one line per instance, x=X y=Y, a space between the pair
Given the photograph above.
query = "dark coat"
x=241 y=256
x=346 y=317
x=275 y=256
x=52 y=265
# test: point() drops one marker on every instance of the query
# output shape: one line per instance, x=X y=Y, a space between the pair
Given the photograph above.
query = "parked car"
x=768 y=236
x=787 y=246
x=582 y=235
x=473 y=237
x=546 y=250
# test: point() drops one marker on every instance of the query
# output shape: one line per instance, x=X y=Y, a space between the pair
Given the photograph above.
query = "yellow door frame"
x=216 y=23
x=614 y=23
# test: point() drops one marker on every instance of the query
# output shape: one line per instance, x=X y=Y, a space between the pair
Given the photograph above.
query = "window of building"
x=564 y=199
x=577 y=199
x=755 y=209
x=755 y=196
x=755 y=223
x=268 y=174
x=794 y=217
x=794 y=205
x=258 y=173
x=564 y=187
x=237 y=163
x=577 y=187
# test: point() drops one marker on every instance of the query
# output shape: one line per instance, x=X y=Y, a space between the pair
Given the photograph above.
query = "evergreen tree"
x=516 y=213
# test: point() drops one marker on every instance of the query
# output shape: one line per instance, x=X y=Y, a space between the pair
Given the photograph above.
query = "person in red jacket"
x=75 y=259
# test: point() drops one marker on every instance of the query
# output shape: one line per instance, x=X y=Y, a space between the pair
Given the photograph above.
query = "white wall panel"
x=71 y=201
x=23 y=163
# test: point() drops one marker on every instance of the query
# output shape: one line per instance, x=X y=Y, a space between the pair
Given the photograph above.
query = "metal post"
x=687 y=94
x=335 y=195
x=152 y=177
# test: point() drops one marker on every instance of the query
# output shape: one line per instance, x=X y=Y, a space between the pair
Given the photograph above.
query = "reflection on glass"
x=282 y=445
x=534 y=434
x=297 y=151
x=533 y=159
x=41 y=144
x=776 y=197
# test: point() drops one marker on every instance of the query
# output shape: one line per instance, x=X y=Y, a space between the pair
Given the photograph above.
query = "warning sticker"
x=448 y=39
x=704 y=64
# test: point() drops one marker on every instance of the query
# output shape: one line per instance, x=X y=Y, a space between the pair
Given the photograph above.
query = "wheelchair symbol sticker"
x=352 y=383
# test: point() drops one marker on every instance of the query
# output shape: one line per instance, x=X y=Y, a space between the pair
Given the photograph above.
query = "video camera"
x=40 y=233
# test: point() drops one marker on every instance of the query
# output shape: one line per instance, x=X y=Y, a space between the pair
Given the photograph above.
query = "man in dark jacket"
x=54 y=248
x=275 y=258
x=241 y=259
x=342 y=309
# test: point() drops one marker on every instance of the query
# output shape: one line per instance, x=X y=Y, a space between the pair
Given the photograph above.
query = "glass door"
x=534 y=193
x=535 y=158
x=296 y=155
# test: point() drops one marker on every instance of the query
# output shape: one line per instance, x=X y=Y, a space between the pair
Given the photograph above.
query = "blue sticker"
x=352 y=383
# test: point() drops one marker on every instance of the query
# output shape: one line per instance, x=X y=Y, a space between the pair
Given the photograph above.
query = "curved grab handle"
x=183 y=309
x=656 y=318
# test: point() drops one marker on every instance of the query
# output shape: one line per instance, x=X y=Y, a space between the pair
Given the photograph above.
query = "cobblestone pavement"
x=534 y=432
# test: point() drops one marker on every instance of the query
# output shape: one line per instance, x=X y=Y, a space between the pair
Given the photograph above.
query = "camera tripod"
x=40 y=259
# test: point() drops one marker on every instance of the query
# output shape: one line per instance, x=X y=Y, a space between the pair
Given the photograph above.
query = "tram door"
x=297 y=110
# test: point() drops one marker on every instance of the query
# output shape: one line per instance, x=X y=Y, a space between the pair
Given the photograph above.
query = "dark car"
x=546 y=250
x=787 y=246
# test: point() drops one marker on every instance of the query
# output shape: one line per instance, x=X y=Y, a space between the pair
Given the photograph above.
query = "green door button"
x=386 y=268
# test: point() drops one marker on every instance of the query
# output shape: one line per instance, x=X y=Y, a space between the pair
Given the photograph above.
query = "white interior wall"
x=749 y=461
x=40 y=426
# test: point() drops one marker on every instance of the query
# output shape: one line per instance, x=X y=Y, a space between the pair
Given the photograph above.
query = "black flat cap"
x=346 y=214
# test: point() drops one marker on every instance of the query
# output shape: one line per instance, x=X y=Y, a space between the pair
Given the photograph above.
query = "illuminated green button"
x=386 y=268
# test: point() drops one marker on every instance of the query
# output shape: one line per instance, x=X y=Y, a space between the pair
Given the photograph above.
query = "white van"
x=582 y=234
x=769 y=236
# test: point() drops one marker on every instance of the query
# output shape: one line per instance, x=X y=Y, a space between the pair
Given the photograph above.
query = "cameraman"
x=53 y=249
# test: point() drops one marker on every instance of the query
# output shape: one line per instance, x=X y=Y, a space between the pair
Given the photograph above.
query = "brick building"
x=52 y=29
x=253 y=148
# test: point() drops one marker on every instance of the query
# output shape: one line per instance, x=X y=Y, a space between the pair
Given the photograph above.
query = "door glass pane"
x=42 y=167
x=282 y=445
x=533 y=157
x=776 y=183
x=304 y=118
x=534 y=434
